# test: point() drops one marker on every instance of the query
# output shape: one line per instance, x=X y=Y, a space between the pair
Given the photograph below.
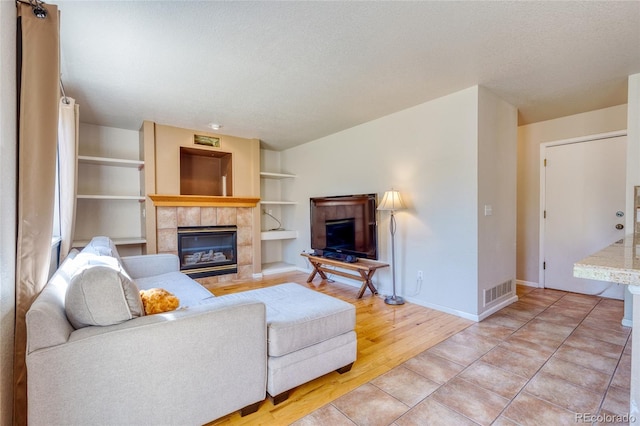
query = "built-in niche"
x=205 y=172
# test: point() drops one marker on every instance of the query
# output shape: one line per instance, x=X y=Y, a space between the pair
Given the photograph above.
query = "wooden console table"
x=363 y=270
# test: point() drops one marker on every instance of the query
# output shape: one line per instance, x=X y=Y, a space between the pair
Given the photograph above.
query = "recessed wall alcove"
x=205 y=172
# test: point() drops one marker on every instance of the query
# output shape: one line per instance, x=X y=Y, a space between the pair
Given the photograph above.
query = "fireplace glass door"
x=207 y=250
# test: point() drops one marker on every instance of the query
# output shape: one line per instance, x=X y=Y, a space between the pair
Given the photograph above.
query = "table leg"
x=366 y=282
x=316 y=270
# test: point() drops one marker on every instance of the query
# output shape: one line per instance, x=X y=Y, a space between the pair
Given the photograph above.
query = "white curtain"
x=67 y=152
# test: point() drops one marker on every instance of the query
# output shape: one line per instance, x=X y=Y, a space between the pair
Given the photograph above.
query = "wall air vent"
x=494 y=293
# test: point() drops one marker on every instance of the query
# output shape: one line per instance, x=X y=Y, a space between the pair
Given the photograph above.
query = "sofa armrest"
x=150 y=264
x=183 y=367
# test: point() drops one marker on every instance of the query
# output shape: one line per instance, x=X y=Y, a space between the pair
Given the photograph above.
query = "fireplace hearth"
x=206 y=251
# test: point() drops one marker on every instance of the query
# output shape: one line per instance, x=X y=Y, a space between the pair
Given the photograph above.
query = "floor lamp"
x=391 y=201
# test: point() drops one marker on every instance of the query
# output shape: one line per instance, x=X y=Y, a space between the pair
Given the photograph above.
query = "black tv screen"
x=345 y=224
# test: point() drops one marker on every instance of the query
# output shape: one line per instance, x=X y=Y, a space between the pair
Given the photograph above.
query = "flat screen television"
x=345 y=224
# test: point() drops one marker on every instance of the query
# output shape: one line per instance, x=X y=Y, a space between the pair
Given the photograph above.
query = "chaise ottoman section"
x=309 y=334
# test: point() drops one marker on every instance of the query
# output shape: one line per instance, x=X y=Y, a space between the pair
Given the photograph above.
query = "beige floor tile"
x=431 y=412
x=433 y=367
x=587 y=359
x=572 y=311
x=464 y=347
x=622 y=375
x=474 y=402
x=560 y=318
x=563 y=393
x=488 y=330
x=528 y=410
x=591 y=344
x=327 y=415
x=547 y=295
x=405 y=385
x=469 y=337
x=368 y=405
x=616 y=401
x=495 y=379
x=544 y=327
x=539 y=337
x=571 y=298
x=503 y=421
x=525 y=366
x=522 y=290
x=518 y=314
x=456 y=352
x=525 y=344
x=528 y=307
x=504 y=320
x=615 y=337
x=577 y=374
x=605 y=325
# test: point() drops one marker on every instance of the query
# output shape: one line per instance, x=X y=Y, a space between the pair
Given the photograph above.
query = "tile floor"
x=545 y=360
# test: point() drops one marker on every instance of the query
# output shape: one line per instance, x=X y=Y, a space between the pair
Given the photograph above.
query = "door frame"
x=543 y=181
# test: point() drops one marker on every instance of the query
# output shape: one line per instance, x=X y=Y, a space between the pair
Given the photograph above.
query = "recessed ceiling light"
x=215 y=126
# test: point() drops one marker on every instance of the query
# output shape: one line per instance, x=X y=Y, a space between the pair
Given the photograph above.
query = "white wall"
x=497 y=154
x=633 y=145
x=429 y=153
x=7 y=204
x=529 y=139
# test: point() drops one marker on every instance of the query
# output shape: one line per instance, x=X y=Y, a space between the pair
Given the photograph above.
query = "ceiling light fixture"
x=215 y=126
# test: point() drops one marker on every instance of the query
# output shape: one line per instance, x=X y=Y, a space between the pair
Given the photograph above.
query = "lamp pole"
x=394 y=299
x=392 y=201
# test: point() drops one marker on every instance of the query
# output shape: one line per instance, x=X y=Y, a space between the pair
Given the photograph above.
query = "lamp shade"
x=391 y=201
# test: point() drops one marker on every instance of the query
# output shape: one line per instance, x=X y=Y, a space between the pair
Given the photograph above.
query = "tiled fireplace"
x=206 y=251
x=169 y=219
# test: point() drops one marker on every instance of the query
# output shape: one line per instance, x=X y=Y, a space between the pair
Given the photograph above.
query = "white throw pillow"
x=101 y=294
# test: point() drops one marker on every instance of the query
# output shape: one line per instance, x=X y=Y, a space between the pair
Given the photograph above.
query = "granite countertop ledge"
x=618 y=263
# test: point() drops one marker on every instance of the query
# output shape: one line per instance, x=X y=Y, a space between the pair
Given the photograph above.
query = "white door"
x=584 y=203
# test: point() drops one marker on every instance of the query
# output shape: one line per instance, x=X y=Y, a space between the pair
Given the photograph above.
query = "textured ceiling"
x=291 y=72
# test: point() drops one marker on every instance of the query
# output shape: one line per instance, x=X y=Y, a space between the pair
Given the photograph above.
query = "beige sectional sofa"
x=93 y=357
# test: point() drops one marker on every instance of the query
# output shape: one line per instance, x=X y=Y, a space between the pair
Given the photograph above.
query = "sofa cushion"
x=298 y=317
x=102 y=294
x=184 y=288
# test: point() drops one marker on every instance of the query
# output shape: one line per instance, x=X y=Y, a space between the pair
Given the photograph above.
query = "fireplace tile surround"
x=169 y=218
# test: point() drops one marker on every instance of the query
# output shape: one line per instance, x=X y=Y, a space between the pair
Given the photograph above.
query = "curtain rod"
x=36 y=5
x=64 y=95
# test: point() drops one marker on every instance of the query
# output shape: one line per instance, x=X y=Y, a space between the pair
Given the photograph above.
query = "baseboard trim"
x=528 y=283
x=497 y=307
x=462 y=314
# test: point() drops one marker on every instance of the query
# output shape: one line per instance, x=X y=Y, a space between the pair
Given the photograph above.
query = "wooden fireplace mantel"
x=163 y=200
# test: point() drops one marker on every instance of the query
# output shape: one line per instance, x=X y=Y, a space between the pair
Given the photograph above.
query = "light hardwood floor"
x=387 y=337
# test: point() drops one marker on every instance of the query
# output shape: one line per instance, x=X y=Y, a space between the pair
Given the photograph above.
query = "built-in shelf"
x=105 y=161
x=278 y=235
x=277 y=268
x=116 y=241
x=270 y=175
x=278 y=202
x=274 y=240
x=110 y=197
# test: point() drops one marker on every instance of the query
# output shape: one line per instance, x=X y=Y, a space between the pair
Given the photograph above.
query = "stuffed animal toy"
x=157 y=300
